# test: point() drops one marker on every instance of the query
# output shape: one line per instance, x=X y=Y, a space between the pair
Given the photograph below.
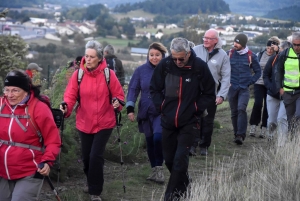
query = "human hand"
x=281 y=91
x=131 y=116
x=63 y=107
x=44 y=169
x=219 y=100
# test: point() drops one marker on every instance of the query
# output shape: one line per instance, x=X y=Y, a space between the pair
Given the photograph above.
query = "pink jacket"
x=95 y=111
x=17 y=162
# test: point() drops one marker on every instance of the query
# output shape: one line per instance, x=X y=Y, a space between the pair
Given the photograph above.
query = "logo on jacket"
x=213 y=61
x=188 y=80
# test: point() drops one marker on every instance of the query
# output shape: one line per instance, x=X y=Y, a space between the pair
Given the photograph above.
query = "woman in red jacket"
x=95 y=116
x=22 y=114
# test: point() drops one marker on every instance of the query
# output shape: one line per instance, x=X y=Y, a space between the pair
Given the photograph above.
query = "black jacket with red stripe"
x=181 y=94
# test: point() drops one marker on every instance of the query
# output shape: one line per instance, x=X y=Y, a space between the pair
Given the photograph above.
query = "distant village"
x=52 y=28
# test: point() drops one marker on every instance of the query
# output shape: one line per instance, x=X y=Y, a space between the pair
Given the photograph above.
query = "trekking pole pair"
x=118 y=125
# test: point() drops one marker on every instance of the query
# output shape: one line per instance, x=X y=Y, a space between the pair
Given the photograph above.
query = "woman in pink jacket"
x=95 y=115
x=28 y=138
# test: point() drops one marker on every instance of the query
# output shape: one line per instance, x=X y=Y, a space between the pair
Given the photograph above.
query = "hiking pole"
x=118 y=124
x=41 y=166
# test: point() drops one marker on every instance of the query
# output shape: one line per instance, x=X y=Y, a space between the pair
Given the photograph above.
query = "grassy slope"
x=137 y=188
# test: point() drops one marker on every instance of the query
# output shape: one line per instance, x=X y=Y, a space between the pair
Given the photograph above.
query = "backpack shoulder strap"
x=107 y=79
x=30 y=111
x=274 y=60
x=230 y=53
x=250 y=57
x=114 y=64
x=80 y=73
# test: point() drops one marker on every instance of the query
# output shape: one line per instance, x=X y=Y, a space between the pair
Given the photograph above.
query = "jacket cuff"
x=130 y=109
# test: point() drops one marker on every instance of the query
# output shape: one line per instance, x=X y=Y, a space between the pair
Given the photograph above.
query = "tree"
x=12 y=54
x=79 y=39
x=64 y=40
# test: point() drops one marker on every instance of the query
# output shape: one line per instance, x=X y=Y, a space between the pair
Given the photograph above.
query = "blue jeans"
x=238 y=100
x=260 y=102
x=176 y=146
x=92 y=149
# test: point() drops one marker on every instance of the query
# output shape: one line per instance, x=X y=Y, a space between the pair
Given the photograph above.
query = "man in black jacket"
x=181 y=88
x=114 y=63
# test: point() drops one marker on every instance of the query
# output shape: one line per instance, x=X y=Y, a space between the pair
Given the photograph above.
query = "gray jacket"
x=219 y=66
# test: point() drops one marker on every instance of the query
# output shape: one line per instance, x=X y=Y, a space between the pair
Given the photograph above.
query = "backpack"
x=111 y=63
x=80 y=74
x=231 y=51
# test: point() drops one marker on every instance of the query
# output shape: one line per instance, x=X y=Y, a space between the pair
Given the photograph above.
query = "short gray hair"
x=180 y=45
x=285 y=44
x=191 y=44
x=95 y=45
x=109 y=49
x=296 y=36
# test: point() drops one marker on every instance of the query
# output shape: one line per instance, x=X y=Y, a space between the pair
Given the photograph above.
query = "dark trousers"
x=176 y=145
x=154 y=149
x=238 y=100
x=207 y=126
x=260 y=102
x=292 y=107
x=92 y=148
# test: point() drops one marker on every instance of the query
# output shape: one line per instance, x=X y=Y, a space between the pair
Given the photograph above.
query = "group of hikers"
x=177 y=92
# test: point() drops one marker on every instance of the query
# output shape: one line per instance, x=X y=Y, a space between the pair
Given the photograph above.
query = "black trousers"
x=92 y=149
x=176 y=145
x=259 y=110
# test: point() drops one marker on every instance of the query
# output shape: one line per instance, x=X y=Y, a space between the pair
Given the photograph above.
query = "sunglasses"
x=296 y=45
x=178 y=59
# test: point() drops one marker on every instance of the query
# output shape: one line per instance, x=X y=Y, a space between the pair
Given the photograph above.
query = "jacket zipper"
x=179 y=102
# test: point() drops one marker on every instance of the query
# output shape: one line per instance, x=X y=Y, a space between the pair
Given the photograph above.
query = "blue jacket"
x=241 y=73
x=140 y=83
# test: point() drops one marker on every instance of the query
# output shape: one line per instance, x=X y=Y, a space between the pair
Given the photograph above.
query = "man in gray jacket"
x=218 y=62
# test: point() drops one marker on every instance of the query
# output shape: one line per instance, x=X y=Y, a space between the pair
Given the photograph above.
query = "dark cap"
x=241 y=39
x=17 y=78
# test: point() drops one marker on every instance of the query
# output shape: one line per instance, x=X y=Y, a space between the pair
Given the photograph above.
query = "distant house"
x=171 y=26
x=63 y=30
x=159 y=35
x=160 y=26
x=138 y=51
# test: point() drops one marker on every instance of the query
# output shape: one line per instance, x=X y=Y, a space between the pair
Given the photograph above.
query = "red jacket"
x=95 y=111
x=17 y=162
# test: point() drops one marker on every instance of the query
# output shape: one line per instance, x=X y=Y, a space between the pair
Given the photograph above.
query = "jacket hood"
x=98 y=70
x=219 y=44
x=110 y=56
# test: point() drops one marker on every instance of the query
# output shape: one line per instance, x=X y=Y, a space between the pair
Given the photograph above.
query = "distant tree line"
x=19 y=3
x=175 y=7
x=288 y=13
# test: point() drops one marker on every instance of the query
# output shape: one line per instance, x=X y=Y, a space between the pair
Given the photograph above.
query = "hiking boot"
x=160 y=177
x=252 y=130
x=263 y=132
x=95 y=198
x=238 y=140
x=203 y=151
x=152 y=175
x=192 y=151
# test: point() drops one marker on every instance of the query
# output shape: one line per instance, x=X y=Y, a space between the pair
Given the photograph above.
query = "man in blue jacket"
x=242 y=62
x=181 y=88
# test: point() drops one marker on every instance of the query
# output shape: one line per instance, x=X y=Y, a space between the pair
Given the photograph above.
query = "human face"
x=296 y=46
x=270 y=50
x=154 y=56
x=237 y=46
x=91 y=59
x=210 y=40
x=180 y=58
x=14 y=95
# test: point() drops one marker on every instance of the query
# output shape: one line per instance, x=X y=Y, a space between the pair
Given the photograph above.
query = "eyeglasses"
x=296 y=45
x=208 y=38
x=13 y=91
x=179 y=59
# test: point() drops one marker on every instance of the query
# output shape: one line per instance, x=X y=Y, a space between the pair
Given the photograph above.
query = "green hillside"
x=176 y=7
x=289 y=13
x=258 y=7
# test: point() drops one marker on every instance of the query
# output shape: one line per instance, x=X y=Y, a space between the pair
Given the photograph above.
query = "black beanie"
x=241 y=39
x=17 y=79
